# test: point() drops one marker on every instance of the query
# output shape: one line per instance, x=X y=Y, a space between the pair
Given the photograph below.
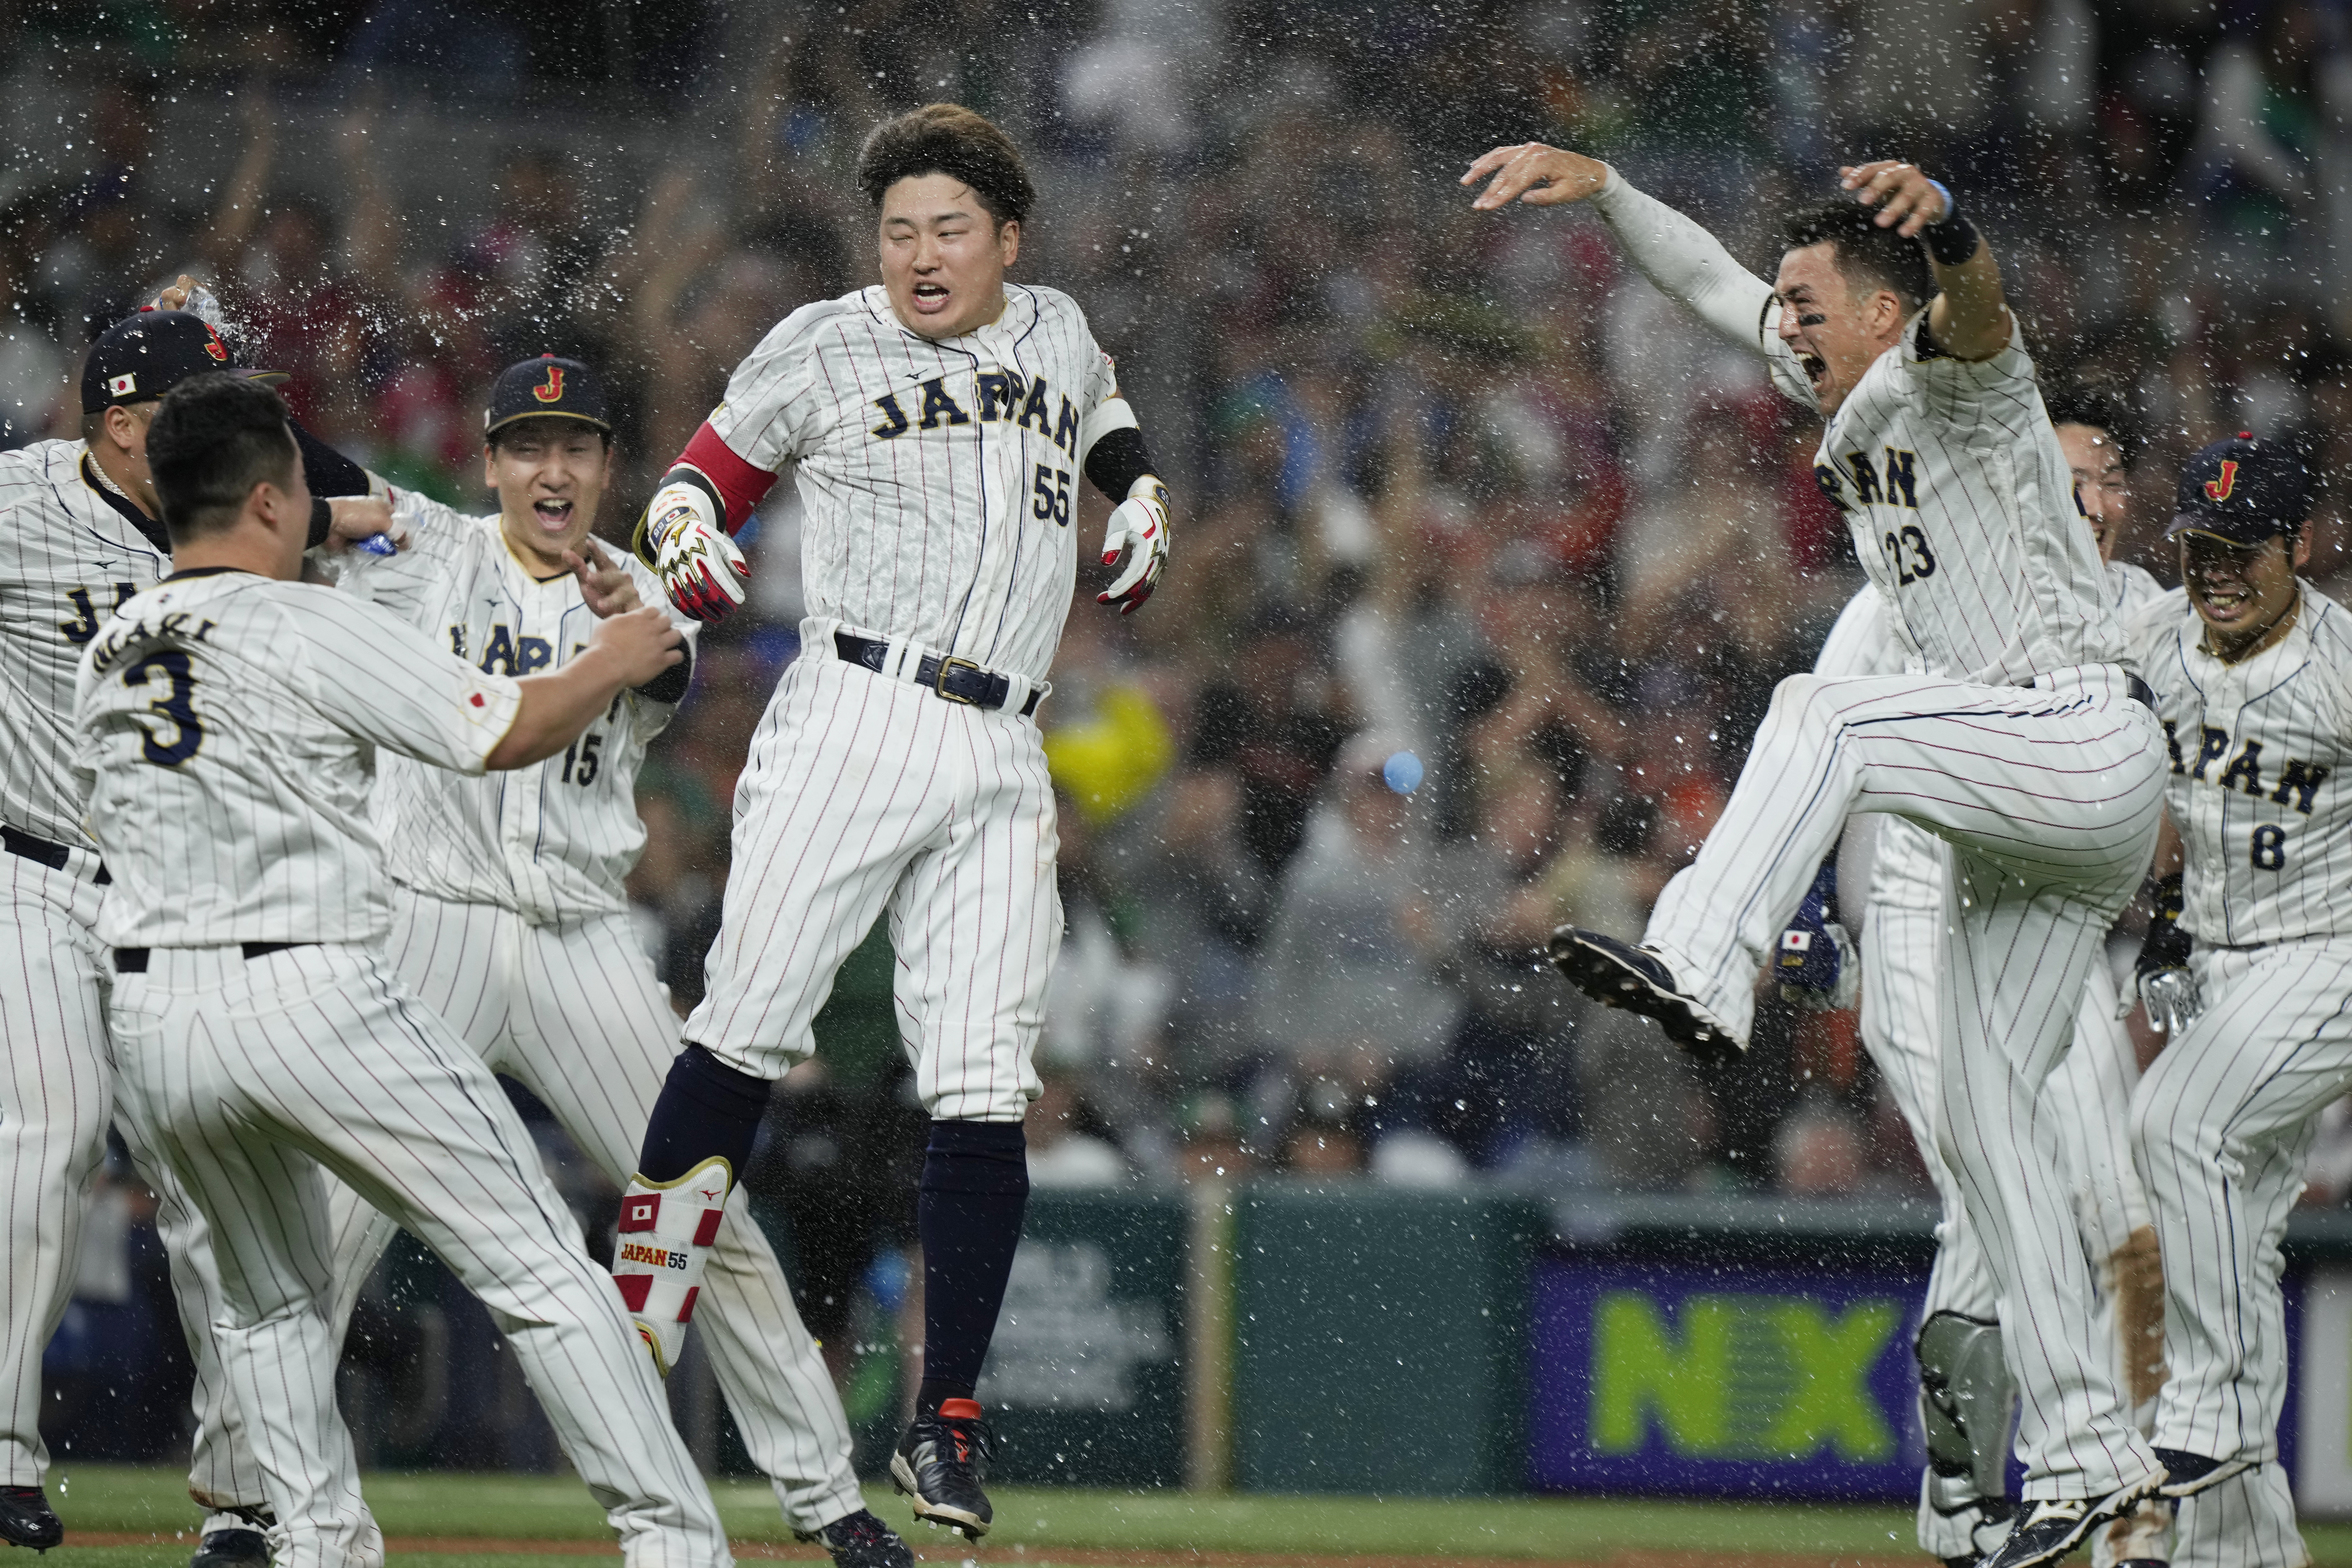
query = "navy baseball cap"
x=2242 y=491
x=145 y=355
x=547 y=387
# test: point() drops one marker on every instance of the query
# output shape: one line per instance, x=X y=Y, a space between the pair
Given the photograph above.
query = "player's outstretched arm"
x=1969 y=319
x=626 y=650
x=1689 y=265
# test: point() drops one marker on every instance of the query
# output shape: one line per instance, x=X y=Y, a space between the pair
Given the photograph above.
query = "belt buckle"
x=939 y=680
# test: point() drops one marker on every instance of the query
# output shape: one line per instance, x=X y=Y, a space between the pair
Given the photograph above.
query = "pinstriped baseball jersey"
x=1963 y=512
x=2259 y=753
x=71 y=551
x=937 y=478
x=551 y=841
x=228 y=726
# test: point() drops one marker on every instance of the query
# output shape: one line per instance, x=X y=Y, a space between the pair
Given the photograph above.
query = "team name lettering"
x=509 y=655
x=654 y=1257
x=85 y=621
x=1901 y=487
x=999 y=396
x=2298 y=782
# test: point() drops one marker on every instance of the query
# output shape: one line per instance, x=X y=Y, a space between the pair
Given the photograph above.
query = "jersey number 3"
x=187 y=731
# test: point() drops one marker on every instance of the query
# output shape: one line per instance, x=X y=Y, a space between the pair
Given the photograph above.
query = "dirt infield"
x=1084 y=1557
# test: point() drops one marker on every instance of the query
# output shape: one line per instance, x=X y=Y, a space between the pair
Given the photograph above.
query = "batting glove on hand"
x=2166 y=989
x=1816 y=963
x=1140 y=526
x=686 y=544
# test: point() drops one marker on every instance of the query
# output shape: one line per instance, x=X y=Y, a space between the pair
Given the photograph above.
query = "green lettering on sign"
x=1748 y=1377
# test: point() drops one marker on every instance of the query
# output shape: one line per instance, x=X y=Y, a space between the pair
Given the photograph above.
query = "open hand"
x=1538 y=175
x=1906 y=199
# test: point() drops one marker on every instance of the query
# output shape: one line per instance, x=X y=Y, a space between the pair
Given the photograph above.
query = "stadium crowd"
x=1433 y=496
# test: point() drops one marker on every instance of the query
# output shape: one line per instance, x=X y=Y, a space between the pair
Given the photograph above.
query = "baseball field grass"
x=125 y=1518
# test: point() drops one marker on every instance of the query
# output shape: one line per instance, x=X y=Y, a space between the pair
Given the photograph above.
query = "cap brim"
x=2242 y=534
x=588 y=419
x=269 y=376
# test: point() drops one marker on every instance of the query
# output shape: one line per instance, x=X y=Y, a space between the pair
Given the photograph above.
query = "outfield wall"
x=1277 y=1337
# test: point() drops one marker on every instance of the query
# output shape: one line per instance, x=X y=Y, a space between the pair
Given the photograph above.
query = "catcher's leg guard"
x=665 y=1232
x=1968 y=1395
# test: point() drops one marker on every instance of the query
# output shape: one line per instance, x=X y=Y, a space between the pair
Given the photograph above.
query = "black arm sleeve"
x=670 y=685
x=329 y=473
x=1117 y=461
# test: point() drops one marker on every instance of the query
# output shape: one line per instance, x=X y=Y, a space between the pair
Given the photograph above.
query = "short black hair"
x=1865 y=252
x=216 y=437
x=2101 y=408
x=545 y=423
x=948 y=139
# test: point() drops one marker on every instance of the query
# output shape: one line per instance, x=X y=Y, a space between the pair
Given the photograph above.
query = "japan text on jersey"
x=552 y=841
x=1962 y=510
x=937 y=478
x=72 y=553
x=2258 y=757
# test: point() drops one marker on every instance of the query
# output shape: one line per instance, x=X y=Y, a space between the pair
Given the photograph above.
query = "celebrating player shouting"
x=508 y=918
x=2252 y=672
x=2020 y=746
x=227 y=724
x=937 y=425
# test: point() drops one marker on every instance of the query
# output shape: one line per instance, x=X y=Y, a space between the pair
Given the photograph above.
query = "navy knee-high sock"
x=705 y=1108
x=968 y=1212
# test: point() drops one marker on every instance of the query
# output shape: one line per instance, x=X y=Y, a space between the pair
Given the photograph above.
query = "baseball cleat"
x=940 y=1463
x=238 y=1548
x=2187 y=1474
x=27 y=1519
x=1617 y=974
x=2052 y=1527
x=860 y=1540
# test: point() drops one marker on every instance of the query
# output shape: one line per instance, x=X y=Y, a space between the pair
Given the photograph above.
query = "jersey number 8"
x=187 y=731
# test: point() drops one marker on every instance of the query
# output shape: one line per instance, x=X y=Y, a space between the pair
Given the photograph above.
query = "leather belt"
x=133 y=959
x=42 y=852
x=956 y=679
x=2140 y=693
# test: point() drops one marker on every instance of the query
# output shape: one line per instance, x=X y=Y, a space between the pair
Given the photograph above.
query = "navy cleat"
x=27 y=1519
x=861 y=1541
x=1618 y=975
x=940 y=1463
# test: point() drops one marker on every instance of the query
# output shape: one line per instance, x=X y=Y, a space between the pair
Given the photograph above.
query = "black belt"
x=133 y=959
x=2140 y=693
x=956 y=679
x=55 y=857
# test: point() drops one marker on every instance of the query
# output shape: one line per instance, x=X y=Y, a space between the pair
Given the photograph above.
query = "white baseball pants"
x=863 y=793
x=2222 y=1124
x=2088 y=1096
x=574 y=1014
x=2050 y=798
x=60 y=1100
x=255 y=1077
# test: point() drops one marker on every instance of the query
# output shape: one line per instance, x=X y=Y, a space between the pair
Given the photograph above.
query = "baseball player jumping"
x=1892 y=876
x=937 y=425
x=509 y=921
x=2252 y=672
x=2021 y=746
x=227 y=722
x=80 y=534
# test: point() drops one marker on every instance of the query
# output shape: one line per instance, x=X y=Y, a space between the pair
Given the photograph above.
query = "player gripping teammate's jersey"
x=2252 y=674
x=936 y=427
x=2019 y=743
x=80 y=537
x=511 y=921
x=229 y=722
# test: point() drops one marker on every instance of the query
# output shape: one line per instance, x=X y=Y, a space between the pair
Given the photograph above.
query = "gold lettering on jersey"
x=2298 y=784
x=1036 y=409
x=1065 y=429
x=894 y=419
x=1000 y=392
x=1900 y=479
x=939 y=405
x=172 y=628
x=506 y=654
x=1865 y=478
x=1832 y=486
x=85 y=621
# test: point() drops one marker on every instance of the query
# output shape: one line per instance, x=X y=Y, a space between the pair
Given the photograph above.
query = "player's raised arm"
x=1968 y=319
x=1689 y=265
x=625 y=650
